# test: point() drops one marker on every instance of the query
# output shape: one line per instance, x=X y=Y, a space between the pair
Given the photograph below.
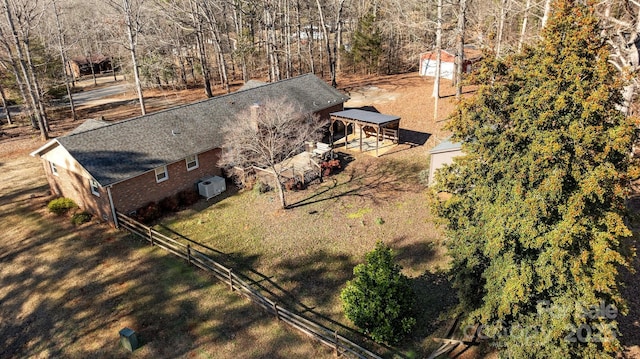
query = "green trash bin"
x=128 y=339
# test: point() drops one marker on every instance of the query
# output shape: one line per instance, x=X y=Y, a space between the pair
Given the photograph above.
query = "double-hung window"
x=95 y=188
x=192 y=162
x=162 y=174
x=54 y=169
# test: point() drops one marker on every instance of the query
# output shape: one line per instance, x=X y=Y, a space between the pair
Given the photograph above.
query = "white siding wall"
x=428 y=68
x=440 y=159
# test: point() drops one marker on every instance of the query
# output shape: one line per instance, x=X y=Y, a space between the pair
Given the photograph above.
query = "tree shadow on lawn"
x=377 y=181
x=67 y=291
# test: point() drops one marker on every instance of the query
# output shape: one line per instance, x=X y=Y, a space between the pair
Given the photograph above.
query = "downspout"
x=113 y=208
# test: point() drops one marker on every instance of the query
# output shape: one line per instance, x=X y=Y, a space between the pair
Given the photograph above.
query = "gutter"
x=113 y=208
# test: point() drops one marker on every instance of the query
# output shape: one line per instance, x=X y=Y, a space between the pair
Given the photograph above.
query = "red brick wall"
x=324 y=114
x=71 y=185
x=137 y=192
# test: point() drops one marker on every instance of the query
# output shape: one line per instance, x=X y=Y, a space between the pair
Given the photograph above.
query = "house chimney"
x=255 y=111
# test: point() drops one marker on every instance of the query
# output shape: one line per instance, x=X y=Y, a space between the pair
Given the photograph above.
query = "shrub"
x=423 y=177
x=149 y=212
x=188 y=197
x=80 y=218
x=261 y=187
x=380 y=299
x=169 y=204
x=294 y=184
x=61 y=205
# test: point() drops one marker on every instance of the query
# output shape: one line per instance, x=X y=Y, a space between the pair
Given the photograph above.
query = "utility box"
x=128 y=339
x=211 y=187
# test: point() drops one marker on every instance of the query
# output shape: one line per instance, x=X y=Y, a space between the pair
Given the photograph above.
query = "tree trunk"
x=501 y=22
x=545 y=15
x=5 y=106
x=201 y=50
x=436 y=80
x=61 y=44
x=280 y=186
x=238 y=23
x=462 y=19
x=525 y=20
x=133 y=42
x=330 y=57
x=39 y=121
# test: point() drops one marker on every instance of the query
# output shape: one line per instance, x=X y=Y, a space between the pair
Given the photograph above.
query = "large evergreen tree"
x=536 y=212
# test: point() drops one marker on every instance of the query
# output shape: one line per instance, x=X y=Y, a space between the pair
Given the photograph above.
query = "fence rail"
x=326 y=336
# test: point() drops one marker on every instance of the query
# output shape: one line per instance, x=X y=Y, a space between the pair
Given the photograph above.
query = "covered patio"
x=383 y=127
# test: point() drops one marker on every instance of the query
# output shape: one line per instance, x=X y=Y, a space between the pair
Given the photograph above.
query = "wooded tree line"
x=216 y=42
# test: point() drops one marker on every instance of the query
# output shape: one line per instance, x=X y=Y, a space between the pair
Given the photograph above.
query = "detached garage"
x=443 y=154
x=447 y=62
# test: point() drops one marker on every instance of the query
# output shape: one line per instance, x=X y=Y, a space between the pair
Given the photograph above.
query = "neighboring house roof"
x=470 y=54
x=93 y=59
x=126 y=149
x=252 y=84
x=446 y=146
x=88 y=125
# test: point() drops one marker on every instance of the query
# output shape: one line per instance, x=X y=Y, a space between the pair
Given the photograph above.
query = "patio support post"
x=361 y=127
x=346 y=133
x=377 y=139
x=331 y=132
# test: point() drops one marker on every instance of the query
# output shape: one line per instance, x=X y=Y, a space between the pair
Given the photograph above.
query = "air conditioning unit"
x=211 y=187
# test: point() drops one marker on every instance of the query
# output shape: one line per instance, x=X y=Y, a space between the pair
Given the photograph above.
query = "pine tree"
x=366 y=47
x=536 y=216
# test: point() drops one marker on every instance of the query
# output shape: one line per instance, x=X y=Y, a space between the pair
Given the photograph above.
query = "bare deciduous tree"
x=268 y=134
x=132 y=12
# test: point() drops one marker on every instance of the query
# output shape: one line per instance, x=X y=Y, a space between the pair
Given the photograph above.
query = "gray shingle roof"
x=88 y=125
x=128 y=148
x=366 y=116
x=446 y=146
x=252 y=84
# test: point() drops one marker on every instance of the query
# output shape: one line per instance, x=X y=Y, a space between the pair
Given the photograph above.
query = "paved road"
x=85 y=97
x=81 y=98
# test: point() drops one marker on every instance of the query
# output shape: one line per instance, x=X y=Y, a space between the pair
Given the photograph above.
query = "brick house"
x=122 y=166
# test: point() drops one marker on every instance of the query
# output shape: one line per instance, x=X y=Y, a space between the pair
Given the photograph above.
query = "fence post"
x=335 y=336
x=189 y=253
x=275 y=308
x=150 y=235
x=230 y=280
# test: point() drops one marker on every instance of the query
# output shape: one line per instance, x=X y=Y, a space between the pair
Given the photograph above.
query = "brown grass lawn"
x=305 y=255
x=66 y=291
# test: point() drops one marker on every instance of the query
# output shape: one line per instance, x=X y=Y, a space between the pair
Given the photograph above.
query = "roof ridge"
x=194 y=103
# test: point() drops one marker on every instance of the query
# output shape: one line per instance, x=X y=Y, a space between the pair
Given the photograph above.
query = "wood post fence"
x=324 y=335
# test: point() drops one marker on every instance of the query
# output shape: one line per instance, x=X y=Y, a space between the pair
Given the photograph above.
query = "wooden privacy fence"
x=326 y=336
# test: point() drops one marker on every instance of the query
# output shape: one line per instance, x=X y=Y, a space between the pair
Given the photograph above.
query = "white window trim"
x=159 y=171
x=54 y=169
x=186 y=160
x=93 y=184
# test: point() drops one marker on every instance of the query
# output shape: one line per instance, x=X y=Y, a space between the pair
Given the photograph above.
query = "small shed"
x=447 y=62
x=443 y=154
x=369 y=123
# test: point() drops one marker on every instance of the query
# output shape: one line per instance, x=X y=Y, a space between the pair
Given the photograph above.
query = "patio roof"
x=384 y=126
x=366 y=116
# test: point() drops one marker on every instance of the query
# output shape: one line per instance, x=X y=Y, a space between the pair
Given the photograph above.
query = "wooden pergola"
x=385 y=126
